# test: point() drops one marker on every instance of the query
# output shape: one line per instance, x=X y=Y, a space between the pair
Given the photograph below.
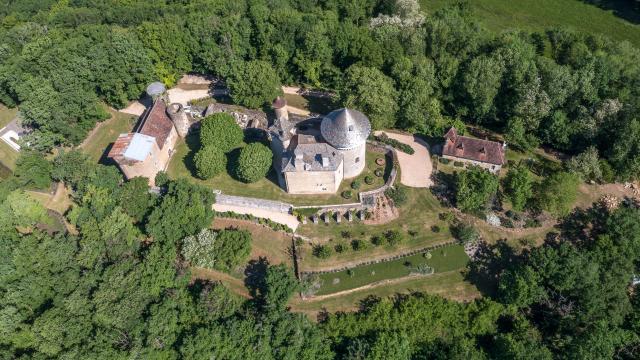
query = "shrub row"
x=385 y=139
x=258 y=220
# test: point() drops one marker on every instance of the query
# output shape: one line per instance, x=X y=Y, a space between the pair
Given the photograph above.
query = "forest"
x=570 y=91
x=117 y=284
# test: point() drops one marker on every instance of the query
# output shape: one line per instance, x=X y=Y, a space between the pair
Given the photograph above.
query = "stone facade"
x=314 y=155
x=313 y=182
x=494 y=168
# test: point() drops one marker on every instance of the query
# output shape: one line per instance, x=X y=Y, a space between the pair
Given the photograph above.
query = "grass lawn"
x=450 y=285
x=419 y=214
x=538 y=15
x=8 y=156
x=266 y=243
x=444 y=259
x=309 y=103
x=181 y=166
x=98 y=143
x=6 y=115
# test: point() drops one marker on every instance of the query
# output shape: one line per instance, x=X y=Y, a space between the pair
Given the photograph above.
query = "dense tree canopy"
x=474 y=188
x=254 y=162
x=221 y=131
x=403 y=68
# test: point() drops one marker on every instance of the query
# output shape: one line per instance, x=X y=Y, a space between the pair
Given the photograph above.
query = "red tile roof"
x=156 y=123
x=120 y=146
x=473 y=149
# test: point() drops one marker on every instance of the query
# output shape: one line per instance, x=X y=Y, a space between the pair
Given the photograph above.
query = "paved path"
x=12 y=131
x=276 y=216
x=415 y=169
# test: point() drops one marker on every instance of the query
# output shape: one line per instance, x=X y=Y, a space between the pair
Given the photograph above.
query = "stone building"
x=314 y=155
x=148 y=149
x=487 y=154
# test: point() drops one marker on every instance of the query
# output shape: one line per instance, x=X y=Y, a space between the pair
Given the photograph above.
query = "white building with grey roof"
x=314 y=155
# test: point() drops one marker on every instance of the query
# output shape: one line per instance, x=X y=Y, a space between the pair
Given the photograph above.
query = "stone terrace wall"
x=269 y=205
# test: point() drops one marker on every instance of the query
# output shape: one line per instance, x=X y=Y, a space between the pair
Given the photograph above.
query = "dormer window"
x=483 y=150
x=350 y=127
x=460 y=147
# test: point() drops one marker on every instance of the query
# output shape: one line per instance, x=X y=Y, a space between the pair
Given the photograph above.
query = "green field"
x=181 y=166
x=98 y=142
x=419 y=215
x=443 y=259
x=539 y=15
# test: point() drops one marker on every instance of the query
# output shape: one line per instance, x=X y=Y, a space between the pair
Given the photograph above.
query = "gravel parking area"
x=415 y=170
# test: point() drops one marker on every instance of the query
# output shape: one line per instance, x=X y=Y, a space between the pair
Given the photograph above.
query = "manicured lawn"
x=6 y=115
x=444 y=259
x=8 y=156
x=181 y=166
x=418 y=215
x=450 y=285
x=98 y=143
x=313 y=104
x=540 y=15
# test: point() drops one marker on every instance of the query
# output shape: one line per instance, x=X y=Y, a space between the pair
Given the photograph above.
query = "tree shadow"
x=255 y=273
x=488 y=263
x=319 y=105
x=625 y=9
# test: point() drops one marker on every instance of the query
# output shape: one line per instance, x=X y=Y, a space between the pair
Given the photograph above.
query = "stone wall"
x=246 y=118
x=491 y=167
x=269 y=205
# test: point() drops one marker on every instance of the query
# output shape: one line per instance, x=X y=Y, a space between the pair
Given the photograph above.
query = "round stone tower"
x=347 y=130
x=156 y=90
x=280 y=108
x=179 y=117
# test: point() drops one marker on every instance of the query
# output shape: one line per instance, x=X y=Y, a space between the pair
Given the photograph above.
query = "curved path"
x=415 y=169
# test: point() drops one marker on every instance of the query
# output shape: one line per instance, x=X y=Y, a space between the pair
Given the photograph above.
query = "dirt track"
x=415 y=169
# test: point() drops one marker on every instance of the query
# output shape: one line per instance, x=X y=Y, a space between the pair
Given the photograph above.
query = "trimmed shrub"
x=358 y=245
x=321 y=251
x=394 y=237
x=444 y=161
x=385 y=139
x=465 y=233
x=356 y=184
x=369 y=179
x=340 y=248
x=222 y=131
x=458 y=164
x=378 y=172
x=347 y=194
x=254 y=162
x=397 y=194
x=378 y=240
x=209 y=161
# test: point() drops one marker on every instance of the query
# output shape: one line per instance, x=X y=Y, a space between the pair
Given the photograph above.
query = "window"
x=357 y=160
x=350 y=127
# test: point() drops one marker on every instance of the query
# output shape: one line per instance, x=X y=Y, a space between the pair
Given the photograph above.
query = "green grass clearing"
x=539 y=15
x=313 y=104
x=418 y=215
x=442 y=260
x=106 y=133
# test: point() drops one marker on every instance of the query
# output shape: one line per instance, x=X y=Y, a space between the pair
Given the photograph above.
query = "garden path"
x=276 y=216
x=415 y=169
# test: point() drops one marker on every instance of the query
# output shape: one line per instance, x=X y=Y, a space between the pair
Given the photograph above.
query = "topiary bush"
x=369 y=179
x=347 y=194
x=378 y=172
x=209 y=162
x=321 y=251
x=222 y=131
x=397 y=194
x=358 y=245
x=356 y=184
x=394 y=237
x=254 y=162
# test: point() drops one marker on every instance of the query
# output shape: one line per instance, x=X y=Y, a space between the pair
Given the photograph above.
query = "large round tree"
x=209 y=161
x=372 y=92
x=254 y=162
x=254 y=83
x=222 y=131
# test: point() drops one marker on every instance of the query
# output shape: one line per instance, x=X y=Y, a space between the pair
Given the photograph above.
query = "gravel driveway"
x=415 y=170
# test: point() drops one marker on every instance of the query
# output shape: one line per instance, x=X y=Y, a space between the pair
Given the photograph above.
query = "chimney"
x=298 y=162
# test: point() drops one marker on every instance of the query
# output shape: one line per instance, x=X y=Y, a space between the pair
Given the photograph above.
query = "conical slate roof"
x=345 y=128
x=156 y=89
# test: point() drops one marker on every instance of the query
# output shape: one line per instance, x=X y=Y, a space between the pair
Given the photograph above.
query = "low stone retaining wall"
x=256 y=203
x=391 y=258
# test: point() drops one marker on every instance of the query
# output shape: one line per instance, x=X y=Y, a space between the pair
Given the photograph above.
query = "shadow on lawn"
x=255 y=273
x=625 y=9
